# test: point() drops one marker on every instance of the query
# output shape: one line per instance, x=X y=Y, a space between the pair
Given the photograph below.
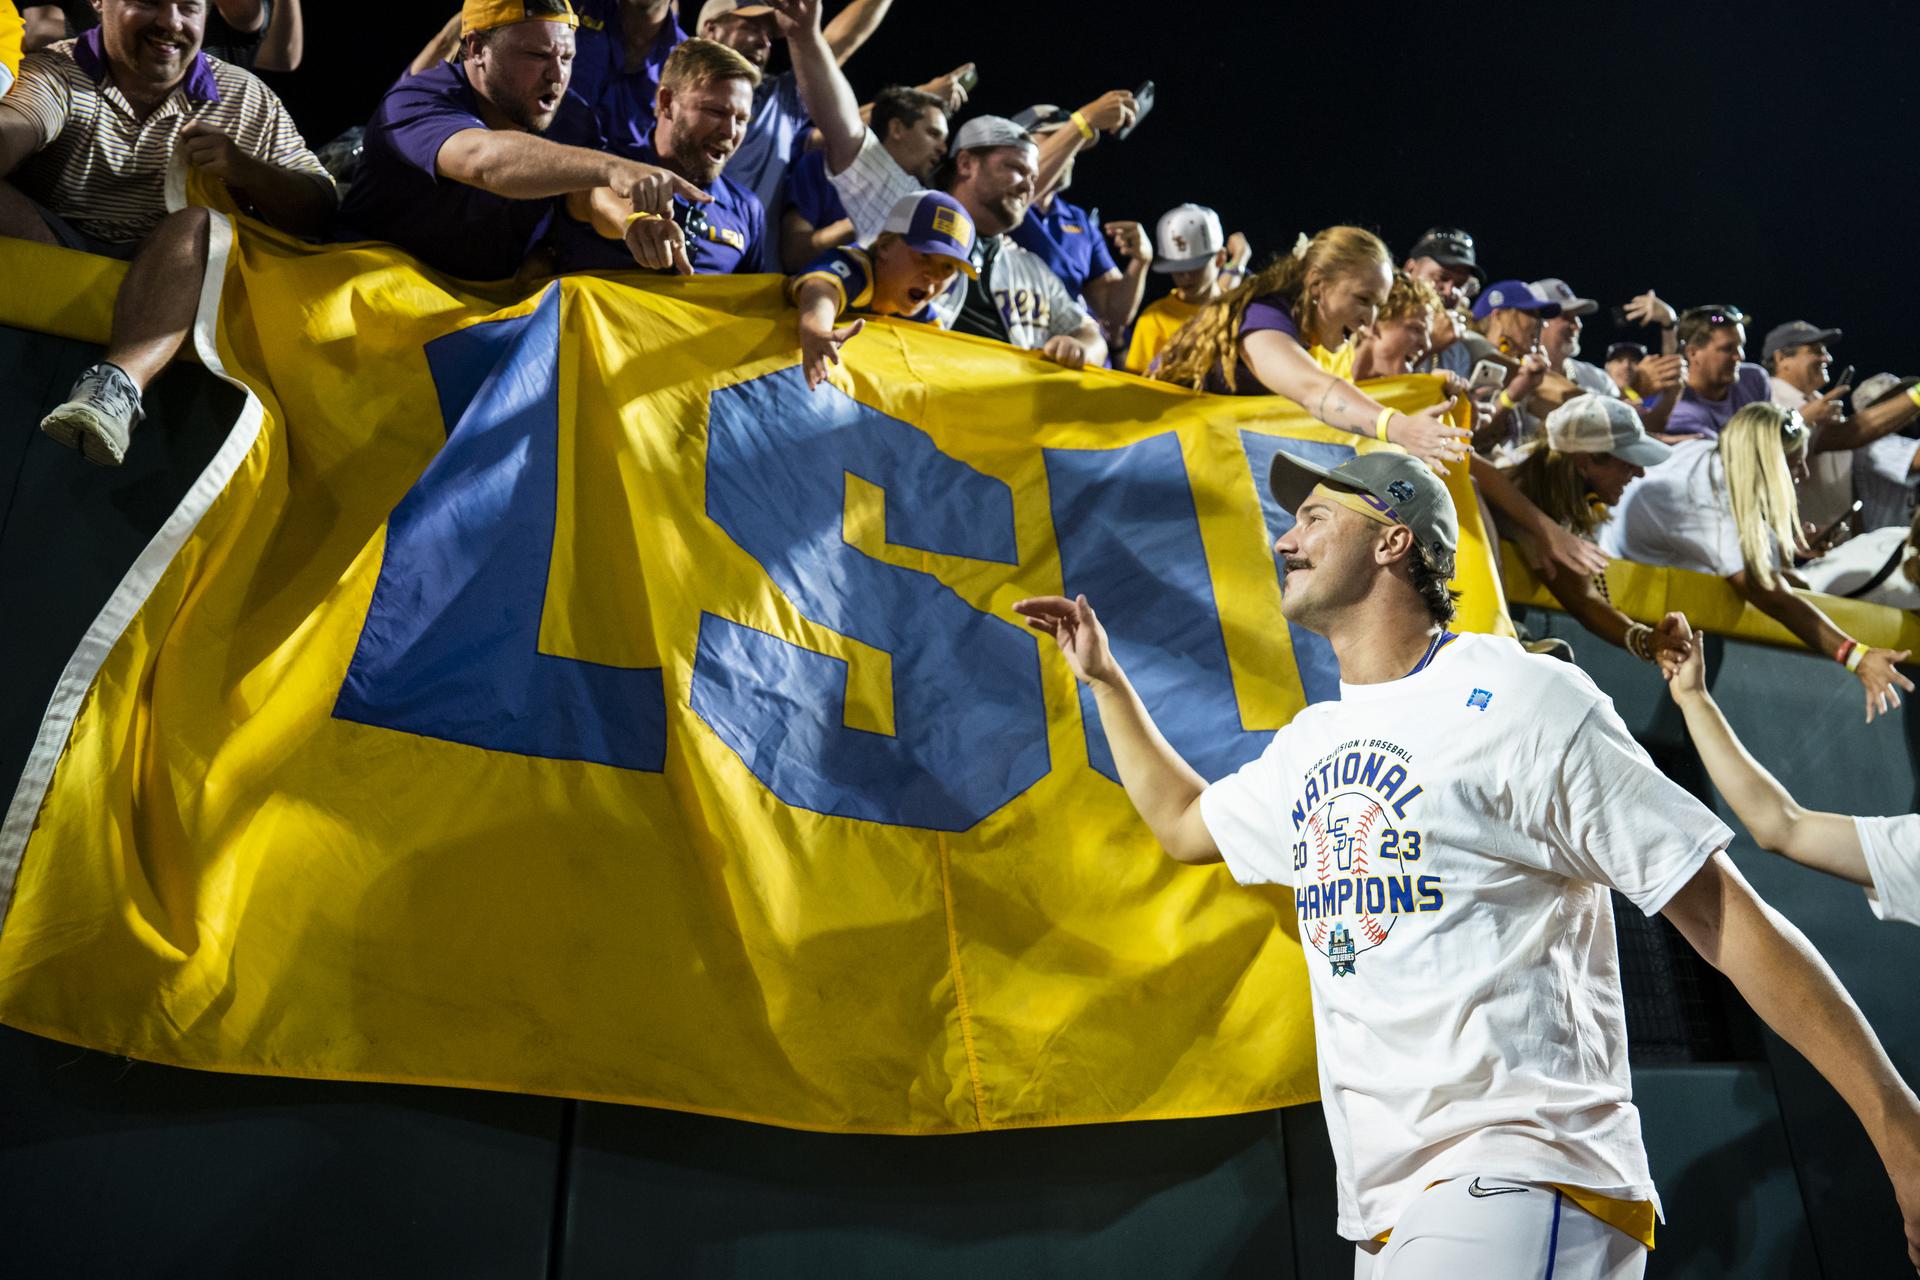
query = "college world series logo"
x=1357 y=863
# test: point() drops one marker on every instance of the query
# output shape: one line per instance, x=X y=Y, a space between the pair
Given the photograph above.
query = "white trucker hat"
x=1185 y=238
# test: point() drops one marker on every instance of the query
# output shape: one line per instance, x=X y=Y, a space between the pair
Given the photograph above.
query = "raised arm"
x=285 y=41
x=1824 y=841
x=1793 y=990
x=1869 y=424
x=1110 y=111
x=1163 y=787
x=438 y=49
x=1115 y=297
x=525 y=166
x=823 y=86
x=853 y=26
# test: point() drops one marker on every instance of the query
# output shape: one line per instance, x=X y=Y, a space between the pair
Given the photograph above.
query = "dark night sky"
x=1758 y=154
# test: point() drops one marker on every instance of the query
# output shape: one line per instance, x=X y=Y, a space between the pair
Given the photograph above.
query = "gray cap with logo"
x=1402 y=486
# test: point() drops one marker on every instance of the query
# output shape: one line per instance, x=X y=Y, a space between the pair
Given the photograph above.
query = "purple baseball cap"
x=1517 y=295
x=934 y=222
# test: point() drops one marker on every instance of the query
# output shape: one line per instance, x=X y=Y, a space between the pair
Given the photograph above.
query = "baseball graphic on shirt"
x=1343 y=837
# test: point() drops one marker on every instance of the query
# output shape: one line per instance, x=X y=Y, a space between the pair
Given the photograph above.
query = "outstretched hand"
x=1429 y=437
x=1077 y=630
x=819 y=351
x=1882 y=680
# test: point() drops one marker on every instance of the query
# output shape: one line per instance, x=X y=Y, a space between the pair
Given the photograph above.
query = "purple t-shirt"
x=399 y=195
x=735 y=238
x=1695 y=416
x=623 y=100
x=811 y=192
x=1269 y=311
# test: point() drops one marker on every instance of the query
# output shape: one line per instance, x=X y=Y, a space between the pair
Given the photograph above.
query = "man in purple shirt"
x=464 y=161
x=1719 y=379
x=705 y=100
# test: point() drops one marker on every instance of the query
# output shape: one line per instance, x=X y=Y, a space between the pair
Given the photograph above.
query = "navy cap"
x=934 y=222
x=1515 y=295
x=1042 y=117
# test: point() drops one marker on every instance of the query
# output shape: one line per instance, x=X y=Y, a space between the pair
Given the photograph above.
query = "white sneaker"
x=99 y=415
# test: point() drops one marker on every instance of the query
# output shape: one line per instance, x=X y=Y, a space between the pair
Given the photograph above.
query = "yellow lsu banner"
x=553 y=694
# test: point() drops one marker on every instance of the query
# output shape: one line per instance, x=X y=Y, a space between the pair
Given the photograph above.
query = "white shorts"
x=1490 y=1228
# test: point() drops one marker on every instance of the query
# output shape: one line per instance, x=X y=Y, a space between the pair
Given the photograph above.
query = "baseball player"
x=1451 y=827
x=1881 y=855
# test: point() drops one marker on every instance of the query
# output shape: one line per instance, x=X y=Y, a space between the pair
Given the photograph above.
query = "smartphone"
x=969 y=78
x=1488 y=375
x=1142 y=103
x=1822 y=542
x=1621 y=320
x=1845 y=379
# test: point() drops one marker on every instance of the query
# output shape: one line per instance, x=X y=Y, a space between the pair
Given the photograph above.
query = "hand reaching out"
x=819 y=350
x=1429 y=437
x=1076 y=629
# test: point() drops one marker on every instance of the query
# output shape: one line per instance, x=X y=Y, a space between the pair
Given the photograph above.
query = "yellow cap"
x=485 y=15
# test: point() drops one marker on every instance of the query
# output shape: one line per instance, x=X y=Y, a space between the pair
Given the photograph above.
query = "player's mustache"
x=1296 y=562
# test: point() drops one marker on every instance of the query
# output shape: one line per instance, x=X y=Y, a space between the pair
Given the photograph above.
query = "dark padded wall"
x=116 y=1168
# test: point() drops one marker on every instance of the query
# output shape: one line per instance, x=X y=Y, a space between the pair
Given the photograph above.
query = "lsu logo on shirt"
x=1358 y=859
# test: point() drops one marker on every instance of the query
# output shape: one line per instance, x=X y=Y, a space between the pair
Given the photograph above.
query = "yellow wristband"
x=638 y=217
x=1506 y=401
x=1913 y=393
x=1080 y=123
x=1853 y=659
x=1380 y=423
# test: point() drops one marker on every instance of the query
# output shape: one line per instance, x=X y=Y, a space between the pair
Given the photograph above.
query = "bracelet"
x=1080 y=123
x=638 y=217
x=1913 y=394
x=1846 y=647
x=1380 y=424
x=1506 y=401
x=1640 y=641
x=1854 y=659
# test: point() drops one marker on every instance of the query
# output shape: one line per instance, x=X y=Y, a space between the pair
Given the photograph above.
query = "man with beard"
x=700 y=116
x=464 y=161
x=87 y=135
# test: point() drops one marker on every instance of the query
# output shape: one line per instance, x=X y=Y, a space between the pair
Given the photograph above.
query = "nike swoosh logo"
x=1475 y=1189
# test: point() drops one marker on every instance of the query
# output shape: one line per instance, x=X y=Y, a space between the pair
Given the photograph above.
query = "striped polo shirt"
x=102 y=166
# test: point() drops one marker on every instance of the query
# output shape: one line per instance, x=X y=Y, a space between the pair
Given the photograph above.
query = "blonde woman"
x=1286 y=331
x=1594 y=447
x=1726 y=506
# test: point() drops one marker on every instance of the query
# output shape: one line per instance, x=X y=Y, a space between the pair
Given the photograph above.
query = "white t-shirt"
x=1450 y=837
x=869 y=187
x=1892 y=846
x=1679 y=514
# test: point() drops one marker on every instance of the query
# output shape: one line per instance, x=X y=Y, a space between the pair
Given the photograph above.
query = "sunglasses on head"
x=694 y=225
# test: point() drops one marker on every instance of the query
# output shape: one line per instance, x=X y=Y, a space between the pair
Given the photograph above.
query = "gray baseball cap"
x=1877 y=388
x=1401 y=485
x=1794 y=333
x=989 y=131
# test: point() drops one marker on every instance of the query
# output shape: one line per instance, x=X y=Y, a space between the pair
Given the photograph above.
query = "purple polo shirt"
x=1697 y=416
x=1269 y=311
x=455 y=228
x=1067 y=241
x=621 y=99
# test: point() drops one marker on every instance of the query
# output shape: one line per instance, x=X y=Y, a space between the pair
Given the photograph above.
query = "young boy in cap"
x=1451 y=827
x=927 y=238
x=1193 y=251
